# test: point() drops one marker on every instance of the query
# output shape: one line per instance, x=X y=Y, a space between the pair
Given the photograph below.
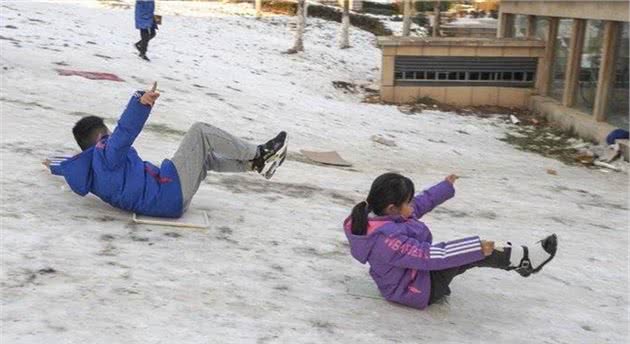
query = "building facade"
x=460 y=71
x=584 y=76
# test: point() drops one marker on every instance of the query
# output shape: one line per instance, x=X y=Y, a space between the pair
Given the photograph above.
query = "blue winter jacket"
x=144 y=14
x=113 y=171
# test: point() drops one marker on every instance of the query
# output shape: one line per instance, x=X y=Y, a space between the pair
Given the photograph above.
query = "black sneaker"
x=144 y=57
x=535 y=259
x=137 y=45
x=268 y=173
x=271 y=155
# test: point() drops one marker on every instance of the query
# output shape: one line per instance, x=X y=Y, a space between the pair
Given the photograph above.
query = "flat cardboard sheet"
x=364 y=288
x=328 y=158
x=190 y=219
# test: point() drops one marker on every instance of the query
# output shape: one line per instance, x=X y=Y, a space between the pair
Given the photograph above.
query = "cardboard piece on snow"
x=328 y=158
x=363 y=288
x=190 y=219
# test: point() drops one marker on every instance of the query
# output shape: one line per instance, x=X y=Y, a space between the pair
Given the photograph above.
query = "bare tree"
x=344 y=41
x=406 y=17
x=436 y=20
x=258 y=9
x=298 y=45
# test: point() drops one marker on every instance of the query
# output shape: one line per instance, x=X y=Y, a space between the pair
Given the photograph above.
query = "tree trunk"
x=344 y=41
x=299 y=30
x=258 y=9
x=406 y=17
x=436 y=22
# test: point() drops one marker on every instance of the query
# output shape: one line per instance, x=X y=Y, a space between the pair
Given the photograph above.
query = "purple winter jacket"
x=401 y=253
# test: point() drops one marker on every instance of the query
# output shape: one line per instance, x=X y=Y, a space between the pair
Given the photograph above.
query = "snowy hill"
x=274 y=267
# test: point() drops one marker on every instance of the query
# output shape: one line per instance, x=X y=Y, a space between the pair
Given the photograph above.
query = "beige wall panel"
x=513 y=97
x=537 y=52
x=484 y=95
x=435 y=51
x=405 y=94
x=462 y=51
x=389 y=51
x=516 y=52
x=435 y=92
x=489 y=51
x=458 y=95
x=387 y=94
x=409 y=51
x=387 y=71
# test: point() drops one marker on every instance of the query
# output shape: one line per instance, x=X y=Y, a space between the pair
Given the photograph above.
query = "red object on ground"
x=89 y=75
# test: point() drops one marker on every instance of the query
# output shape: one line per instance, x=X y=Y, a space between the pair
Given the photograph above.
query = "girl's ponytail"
x=387 y=189
x=360 y=218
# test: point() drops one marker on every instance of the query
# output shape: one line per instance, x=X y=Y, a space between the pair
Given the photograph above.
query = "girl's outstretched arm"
x=403 y=251
x=434 y=196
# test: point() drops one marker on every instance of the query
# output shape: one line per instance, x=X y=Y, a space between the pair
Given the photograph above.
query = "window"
x=542 y=28
x=589 y=65
x=561 y=53
x=617 y=109
x=519 y=29
x=530 y=76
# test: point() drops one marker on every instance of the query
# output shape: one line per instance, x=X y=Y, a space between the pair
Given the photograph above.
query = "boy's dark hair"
x=388 y=188
x=87 y=129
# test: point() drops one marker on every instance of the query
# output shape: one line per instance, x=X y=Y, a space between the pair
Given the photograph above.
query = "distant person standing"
x=145 y=22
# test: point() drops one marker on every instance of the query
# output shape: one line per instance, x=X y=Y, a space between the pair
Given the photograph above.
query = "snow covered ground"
x=274 y=267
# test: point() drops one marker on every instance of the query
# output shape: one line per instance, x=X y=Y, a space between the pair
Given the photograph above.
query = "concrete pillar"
x=543 y=82
x=606 y=70
x=506 y=25
x=531 y=27
x=572 y=71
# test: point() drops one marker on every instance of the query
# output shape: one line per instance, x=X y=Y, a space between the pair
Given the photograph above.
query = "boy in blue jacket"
x=110 y=168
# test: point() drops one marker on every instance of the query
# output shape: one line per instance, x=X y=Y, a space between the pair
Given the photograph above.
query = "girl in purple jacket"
x=406 y=265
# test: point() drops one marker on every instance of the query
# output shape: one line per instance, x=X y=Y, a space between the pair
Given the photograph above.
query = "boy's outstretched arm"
x=129 y=127
x=434 y=196
x=54 y=164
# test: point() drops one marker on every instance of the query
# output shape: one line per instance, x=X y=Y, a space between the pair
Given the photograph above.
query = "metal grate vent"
x=465 y=71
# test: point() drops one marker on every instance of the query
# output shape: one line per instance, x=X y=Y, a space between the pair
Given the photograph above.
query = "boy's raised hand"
x=451 y=178
x=150 y=96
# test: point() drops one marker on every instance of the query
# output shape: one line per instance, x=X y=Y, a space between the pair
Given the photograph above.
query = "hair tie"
x=367 y=205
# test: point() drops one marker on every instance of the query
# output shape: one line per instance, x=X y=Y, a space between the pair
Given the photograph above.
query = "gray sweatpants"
x=207 y=148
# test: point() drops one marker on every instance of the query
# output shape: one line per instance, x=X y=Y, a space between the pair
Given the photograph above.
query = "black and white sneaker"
x=271 y=155
x=527 y=261
x=137 y=45
x=144 y=57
